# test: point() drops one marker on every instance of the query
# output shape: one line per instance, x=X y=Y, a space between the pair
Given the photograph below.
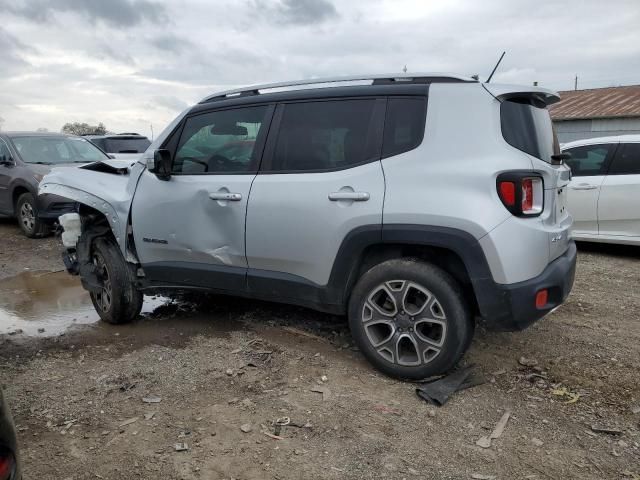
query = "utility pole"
x=151 y=125
x=404 y=69
x=575 y=83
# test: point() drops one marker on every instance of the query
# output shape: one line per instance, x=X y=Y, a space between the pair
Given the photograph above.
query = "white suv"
x=417 y=205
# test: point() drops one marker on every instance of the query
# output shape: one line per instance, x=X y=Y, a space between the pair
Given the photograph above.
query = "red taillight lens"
x=7 y=464
x=508 y=193
x=542 y=298
x=521 y=193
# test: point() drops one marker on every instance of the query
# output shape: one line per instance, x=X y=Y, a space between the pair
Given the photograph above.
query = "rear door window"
x=627 y=160
x=126 y=145
x=404 y=125
x=589 y=159
x=326 y=135
x=526 y=125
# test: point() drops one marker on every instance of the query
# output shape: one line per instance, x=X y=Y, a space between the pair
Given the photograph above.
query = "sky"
x=134 y=64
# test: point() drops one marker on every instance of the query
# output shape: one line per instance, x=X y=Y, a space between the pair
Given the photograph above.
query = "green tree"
x=77 y=128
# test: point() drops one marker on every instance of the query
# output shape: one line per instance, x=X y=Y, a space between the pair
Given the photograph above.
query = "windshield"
x=51 y=150
x=526 y=125
x=126 y=145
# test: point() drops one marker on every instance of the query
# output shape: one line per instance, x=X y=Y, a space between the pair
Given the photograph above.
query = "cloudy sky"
x=134 y=63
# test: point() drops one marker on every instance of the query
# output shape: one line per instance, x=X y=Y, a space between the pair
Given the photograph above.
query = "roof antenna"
x=496 y=67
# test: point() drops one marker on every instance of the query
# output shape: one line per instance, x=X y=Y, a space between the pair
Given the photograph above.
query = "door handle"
x=354 y=196
x=584 y=186
x=231 y=197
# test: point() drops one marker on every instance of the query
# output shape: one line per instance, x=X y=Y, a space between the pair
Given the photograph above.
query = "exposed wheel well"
x=91 y=217
x=443 y=258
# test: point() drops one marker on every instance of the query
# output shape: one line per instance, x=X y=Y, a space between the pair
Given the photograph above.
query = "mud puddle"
x=53 y=301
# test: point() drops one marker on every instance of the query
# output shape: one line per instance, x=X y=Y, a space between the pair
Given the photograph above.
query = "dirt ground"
x=223 y=370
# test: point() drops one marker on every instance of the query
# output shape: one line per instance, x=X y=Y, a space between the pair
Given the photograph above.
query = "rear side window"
x=403 y=125
x=526 y=125
x=627 y=160
x=325 y=135
x=588 y=159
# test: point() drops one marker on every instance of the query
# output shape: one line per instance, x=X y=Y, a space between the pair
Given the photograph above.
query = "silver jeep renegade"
x=415 y=205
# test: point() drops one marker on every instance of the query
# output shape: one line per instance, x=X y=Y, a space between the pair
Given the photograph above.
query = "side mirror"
x=162 y=164
x=560 y=158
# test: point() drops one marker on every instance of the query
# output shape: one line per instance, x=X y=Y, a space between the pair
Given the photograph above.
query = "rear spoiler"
x=502 y=92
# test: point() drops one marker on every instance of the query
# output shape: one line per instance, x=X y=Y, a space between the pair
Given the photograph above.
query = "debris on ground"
x=563 y=392
x=485 y=441
x=480 y=476
x=635 y=409
x=326 y=393
x=149 y=416
x=151 y=399
x=437 y=392
x=527 y=362
x=128 y=422
x=607 y=430
x=246 y=428
x=181 y=447
x=537 y=442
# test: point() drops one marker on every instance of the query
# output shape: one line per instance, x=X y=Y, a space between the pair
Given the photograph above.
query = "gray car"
x=8 y=446
x=25 y=157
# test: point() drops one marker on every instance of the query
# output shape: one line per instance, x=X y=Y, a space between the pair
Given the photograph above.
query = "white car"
x=604 y=192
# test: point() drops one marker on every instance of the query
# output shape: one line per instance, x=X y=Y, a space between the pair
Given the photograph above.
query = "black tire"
x=27 y=215
x=120 y=301
x=413 y=344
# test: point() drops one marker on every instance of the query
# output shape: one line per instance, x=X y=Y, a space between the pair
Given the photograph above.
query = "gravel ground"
x=224 y=370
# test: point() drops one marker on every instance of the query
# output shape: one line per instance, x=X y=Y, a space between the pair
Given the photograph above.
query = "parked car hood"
x=39 y=169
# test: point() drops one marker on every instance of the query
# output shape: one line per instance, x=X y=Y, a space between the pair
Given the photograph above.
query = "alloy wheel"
x=104 y=297
x=404 y=322
x=28 y=216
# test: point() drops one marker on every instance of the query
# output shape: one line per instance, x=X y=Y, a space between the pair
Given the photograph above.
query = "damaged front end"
x=103 y=192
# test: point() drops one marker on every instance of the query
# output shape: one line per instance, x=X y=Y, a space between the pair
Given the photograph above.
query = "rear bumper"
x=514 y=306
x=50 y=207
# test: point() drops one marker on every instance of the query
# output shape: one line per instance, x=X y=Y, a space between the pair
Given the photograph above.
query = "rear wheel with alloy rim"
x=410 y=319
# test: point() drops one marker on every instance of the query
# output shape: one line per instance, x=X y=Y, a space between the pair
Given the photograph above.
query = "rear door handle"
x=231 y=197
x=584 y=186
x=354 y=196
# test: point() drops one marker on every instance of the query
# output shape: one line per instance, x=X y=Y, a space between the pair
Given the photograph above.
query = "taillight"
x=521 y=193
x=7 y=464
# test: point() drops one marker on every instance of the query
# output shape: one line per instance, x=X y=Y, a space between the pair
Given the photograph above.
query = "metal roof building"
x=597 y=112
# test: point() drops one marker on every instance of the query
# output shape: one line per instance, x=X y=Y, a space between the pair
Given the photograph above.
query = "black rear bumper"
x=513 y=307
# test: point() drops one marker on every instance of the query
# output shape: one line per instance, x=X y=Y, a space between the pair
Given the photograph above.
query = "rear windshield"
x=126 y=145
x=526 y=125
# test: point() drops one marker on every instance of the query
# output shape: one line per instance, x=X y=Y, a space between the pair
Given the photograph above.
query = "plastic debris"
x=437 y=392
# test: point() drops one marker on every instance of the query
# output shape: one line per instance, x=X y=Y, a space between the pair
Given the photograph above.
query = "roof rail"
x=376 y=79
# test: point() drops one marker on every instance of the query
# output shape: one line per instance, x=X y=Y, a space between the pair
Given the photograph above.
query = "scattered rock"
x=181 y=447
x=324 y=379
x=527 y=362
x=537 y=442
x=246 y=428
x=229 y=372
x=432 y=413
x=237 y=350
x=41 y=330
x=151 y=399
x=635 y=409
x=149 y=416
x=480 y=476
x=484 y=442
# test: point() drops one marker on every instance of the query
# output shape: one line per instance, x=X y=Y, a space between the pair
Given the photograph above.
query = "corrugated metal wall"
x=570 y=130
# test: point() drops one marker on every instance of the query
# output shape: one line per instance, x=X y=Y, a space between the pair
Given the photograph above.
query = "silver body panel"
x=293 y=227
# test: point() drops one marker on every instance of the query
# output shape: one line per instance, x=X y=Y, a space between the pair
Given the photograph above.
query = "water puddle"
x=53 y=301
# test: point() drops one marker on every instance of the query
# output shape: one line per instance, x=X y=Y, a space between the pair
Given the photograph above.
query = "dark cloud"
x=296 y=12
x=10 y=52
x=115 y=13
